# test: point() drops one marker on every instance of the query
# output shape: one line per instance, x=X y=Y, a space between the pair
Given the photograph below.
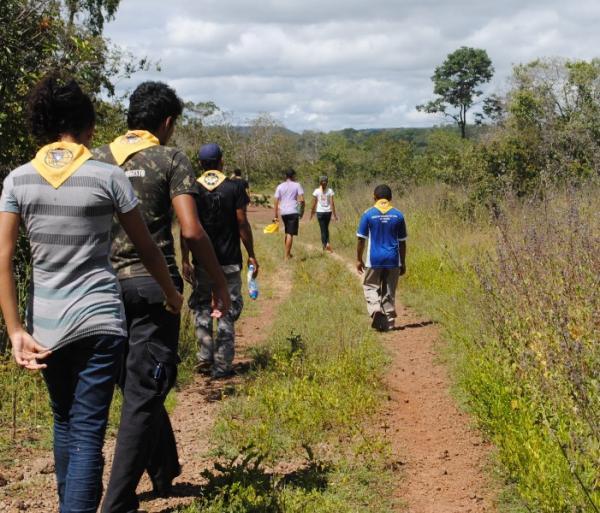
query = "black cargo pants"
x=145 y=440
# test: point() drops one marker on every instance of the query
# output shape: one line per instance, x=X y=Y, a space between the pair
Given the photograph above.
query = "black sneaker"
x=380 y=322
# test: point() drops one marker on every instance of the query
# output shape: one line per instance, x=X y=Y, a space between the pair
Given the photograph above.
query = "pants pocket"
x=163 y=368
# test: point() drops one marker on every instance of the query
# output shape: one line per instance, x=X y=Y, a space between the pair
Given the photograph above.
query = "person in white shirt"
x=324 y=206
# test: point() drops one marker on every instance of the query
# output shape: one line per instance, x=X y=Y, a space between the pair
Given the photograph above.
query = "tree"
x=456 y=83
x=38 y=36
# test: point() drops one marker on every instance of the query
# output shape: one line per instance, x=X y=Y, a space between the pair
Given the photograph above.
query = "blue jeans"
x=80 y=379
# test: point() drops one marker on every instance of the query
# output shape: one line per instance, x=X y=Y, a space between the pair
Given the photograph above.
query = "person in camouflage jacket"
x=164 y=181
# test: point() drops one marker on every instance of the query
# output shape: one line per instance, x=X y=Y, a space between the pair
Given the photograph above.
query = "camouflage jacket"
x=157 y=174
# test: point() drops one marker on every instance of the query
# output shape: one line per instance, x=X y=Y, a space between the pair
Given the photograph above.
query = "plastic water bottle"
x=252 y=284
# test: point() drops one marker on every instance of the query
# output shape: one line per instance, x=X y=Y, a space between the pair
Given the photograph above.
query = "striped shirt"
x=75 y=293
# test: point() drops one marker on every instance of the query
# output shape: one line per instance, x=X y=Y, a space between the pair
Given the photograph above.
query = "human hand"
x=188 y=272
x=221 y=302
x=402 y=269
x=174 y=303
x=360 y=266
x=254 y=262
x=27 y=351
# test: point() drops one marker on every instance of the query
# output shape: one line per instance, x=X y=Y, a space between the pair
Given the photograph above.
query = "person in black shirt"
x=222 y=210
x=237 y=175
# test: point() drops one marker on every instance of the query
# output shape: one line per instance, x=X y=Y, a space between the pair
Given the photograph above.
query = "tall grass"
x=517 y=293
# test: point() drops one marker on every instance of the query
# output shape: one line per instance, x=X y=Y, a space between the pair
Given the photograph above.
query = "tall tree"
x=456 y=83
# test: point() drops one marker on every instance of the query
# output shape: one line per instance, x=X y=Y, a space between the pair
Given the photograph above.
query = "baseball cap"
x=323 y=178
x=210 y=151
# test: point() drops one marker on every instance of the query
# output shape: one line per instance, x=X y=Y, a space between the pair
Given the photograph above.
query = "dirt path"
x=442 y=458
x=195 y=412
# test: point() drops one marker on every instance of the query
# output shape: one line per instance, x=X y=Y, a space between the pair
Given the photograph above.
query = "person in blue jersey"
x=382 y=229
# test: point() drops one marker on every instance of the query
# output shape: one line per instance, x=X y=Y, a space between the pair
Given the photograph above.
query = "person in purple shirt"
x=289 y=204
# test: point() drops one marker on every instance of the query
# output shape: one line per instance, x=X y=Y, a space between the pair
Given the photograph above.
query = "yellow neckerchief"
x=56 y=162
x=211 y=179
x=133 y=141
x=383 y=205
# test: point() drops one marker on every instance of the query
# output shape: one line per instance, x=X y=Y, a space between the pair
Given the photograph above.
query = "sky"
x=334 y=64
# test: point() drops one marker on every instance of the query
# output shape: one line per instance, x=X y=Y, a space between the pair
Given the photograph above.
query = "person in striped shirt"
x=75 y=319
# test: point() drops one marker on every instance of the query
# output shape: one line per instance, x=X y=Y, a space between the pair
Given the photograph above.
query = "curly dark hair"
x=58 y=107
x=150 y=104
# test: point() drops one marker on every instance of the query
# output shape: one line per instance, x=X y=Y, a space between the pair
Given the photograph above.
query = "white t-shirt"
x=323 y=199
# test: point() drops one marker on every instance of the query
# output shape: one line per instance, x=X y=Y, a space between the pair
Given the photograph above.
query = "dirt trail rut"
x=441 y=456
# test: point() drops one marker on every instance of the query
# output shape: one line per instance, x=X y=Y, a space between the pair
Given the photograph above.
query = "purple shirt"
x=287 y=193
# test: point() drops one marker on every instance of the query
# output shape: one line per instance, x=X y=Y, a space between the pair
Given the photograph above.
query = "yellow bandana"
x=56 y=162
x=132 y=142
x=383 y=206
x=211 y=179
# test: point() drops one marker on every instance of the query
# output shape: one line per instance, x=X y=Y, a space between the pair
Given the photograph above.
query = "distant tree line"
x=544 y=130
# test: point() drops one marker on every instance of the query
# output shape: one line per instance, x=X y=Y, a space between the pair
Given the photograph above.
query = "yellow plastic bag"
x=271 y=228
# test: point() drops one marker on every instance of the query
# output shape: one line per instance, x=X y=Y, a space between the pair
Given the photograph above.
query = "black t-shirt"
x=245 y=185
x=217 y=211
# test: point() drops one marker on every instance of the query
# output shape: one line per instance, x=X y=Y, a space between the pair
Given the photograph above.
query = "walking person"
x=222 y=208
x=384 y=228
x=324 y=206
x=76 y=325
x=237 y=175
x=163 y=180
x=289 y=204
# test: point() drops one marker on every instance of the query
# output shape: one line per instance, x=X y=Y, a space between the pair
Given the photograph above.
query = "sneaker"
x=380 y=322
x=222 y=374
x=204 y=367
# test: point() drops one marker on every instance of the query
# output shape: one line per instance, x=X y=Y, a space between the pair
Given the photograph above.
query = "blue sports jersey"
x=384 y=227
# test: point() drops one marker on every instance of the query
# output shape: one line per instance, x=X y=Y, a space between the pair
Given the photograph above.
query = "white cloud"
x=330 y=64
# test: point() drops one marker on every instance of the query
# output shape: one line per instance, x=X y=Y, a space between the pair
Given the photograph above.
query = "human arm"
x=186 y=267
x=151 y=256
x=363 y=234
x=402 y=235
x=335 y=217
x=247 y=239
x=402 y=251
x=26 y=351
x=198 y=242
x=313 y=209
x=302 y=203
x=360 y=249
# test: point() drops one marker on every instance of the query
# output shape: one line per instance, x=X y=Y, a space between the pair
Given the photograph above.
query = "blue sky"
x=329 y=64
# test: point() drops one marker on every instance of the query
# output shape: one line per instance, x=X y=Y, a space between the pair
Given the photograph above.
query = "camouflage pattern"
x=157 y=174
x=220 y=350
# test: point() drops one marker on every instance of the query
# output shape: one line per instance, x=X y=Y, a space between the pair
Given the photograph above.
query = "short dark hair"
x=237 y=171
x=290 y=172
x=58 y=107
x=383 y=192
x=150 y=104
